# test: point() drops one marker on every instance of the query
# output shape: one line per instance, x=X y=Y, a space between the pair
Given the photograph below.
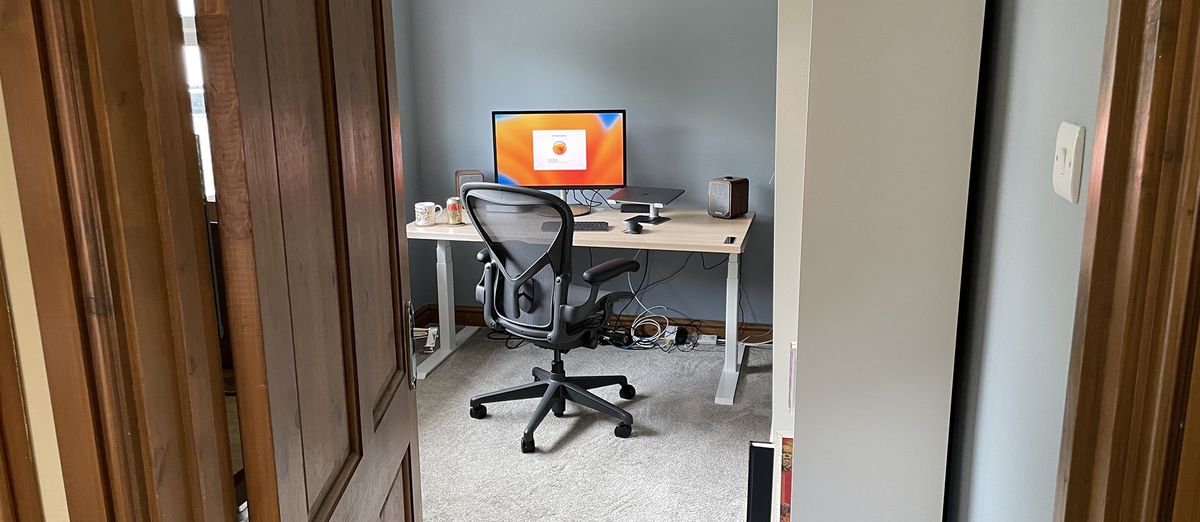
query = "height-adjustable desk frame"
x=689 y=230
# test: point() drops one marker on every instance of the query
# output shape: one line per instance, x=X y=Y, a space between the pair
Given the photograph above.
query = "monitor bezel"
x=624 y=143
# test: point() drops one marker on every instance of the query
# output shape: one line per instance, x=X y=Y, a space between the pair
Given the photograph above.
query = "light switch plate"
x=1068 y=161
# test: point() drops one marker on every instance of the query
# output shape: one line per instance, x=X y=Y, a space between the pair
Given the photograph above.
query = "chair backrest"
x=528 y=234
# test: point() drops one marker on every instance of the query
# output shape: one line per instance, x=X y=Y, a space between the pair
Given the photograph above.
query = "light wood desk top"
x=689 y=230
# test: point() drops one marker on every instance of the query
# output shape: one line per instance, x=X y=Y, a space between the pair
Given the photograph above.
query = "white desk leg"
x=451 y=337
x=727 y=386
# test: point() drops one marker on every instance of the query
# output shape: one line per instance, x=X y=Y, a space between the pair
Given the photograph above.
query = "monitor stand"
x=655 y=198
x=652 y=219
x=576 y=210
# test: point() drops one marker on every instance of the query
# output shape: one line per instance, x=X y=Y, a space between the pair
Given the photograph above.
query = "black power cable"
x=508 y=339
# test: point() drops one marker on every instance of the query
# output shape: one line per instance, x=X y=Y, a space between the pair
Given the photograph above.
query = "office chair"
x=526 y=291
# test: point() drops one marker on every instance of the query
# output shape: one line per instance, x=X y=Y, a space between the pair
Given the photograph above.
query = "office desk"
x=689 y=230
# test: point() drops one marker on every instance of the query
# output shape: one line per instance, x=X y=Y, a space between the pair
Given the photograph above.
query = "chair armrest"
x=607 y=270
x=483 y=256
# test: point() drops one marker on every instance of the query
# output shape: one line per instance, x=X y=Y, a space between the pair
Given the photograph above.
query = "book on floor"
x=758 y=498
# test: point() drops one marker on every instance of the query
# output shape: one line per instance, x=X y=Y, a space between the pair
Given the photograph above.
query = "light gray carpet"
x=685 y=461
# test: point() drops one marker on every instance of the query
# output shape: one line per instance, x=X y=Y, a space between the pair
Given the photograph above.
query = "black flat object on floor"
x=758 y=498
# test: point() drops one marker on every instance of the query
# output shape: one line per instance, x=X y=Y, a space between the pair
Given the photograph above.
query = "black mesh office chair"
x=526 y=291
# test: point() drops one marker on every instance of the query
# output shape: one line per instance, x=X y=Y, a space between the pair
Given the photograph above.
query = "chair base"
x=556 y=388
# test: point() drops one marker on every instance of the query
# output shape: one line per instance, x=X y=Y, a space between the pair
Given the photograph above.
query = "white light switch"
x=1068 y=161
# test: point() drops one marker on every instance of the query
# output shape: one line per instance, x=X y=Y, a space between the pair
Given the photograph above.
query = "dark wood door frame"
x=1131 y=380
x=109 y=188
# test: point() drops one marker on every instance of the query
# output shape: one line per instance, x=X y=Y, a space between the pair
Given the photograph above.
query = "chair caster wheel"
x=623 y=430
x=478 y=412
x=628 y=392
x=526 y=445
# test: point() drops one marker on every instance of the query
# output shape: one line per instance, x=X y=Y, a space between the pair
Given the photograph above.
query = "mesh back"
x=524 y=233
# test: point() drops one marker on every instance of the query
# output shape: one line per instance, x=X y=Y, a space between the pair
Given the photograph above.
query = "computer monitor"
x=560 y=149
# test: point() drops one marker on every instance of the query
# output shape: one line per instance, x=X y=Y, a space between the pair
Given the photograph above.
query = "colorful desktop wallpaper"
x=587 y=148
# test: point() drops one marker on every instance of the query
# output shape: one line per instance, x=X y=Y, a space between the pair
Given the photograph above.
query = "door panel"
x=308 y=183
x=311 y=253
x=395 y=507
x=365 y=190
x=239 y=105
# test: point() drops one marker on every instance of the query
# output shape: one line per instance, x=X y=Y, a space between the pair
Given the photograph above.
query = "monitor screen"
x=560 y=149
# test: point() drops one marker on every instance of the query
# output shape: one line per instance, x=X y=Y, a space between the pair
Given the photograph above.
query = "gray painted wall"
x=406 y=97
x=698 y=80
x=1041 y=66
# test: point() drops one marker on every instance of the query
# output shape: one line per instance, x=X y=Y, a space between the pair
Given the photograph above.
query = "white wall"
x=890 y=117
x=1023 y=268
x=791 y=118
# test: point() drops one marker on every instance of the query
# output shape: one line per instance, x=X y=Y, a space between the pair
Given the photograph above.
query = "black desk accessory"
x=591 y=226
x=580 y=226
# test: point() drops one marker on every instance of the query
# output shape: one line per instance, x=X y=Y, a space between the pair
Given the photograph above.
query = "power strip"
x=706 y=339
x=430 y=340
x=670 y=334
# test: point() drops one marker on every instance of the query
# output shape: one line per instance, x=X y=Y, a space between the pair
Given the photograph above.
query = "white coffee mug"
x=426 y=213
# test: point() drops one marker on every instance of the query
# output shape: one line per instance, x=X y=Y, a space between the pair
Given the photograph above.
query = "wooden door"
x=306 y=148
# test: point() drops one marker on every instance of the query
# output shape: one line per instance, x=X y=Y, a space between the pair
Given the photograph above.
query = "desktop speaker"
x=728 y=197
x=462 y=177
